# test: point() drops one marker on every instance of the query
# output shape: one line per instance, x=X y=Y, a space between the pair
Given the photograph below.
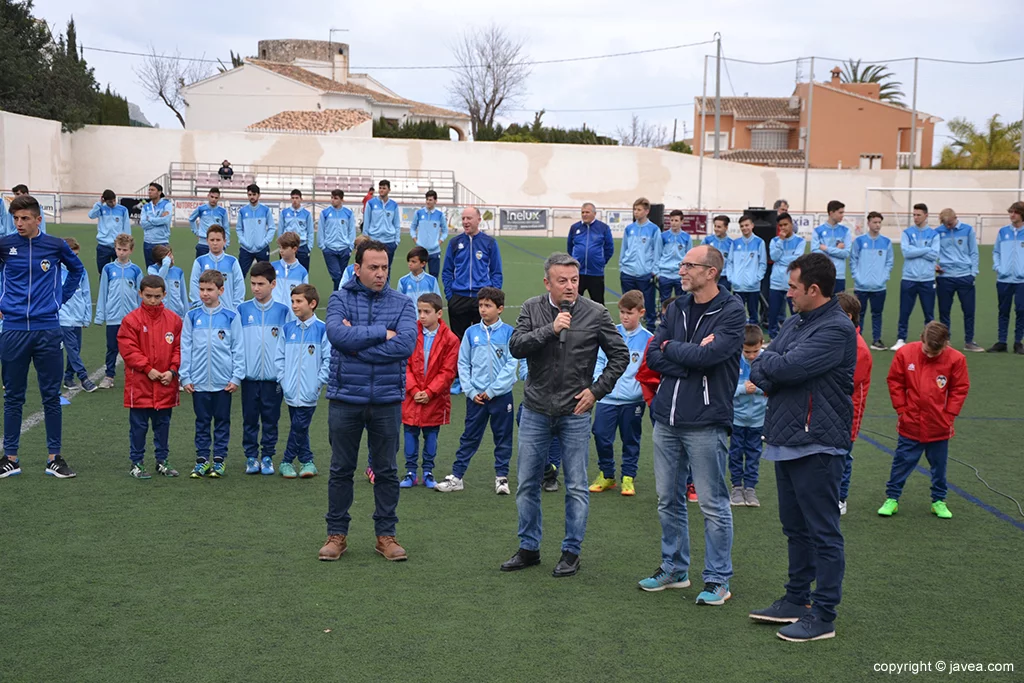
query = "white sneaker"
x=107 y=383
x=842 y=507
x=501 y=486
x=900 y=343
x=449 y=484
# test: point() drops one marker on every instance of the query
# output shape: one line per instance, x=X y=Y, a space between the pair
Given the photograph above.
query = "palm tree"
x=890 y=91
x=997 y=147
x=236 y=61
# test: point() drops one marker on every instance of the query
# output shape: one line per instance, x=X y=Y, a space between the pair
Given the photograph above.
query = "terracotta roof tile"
x=766 y=157
x=325 y=84
x=753 y=108
x=325 y=121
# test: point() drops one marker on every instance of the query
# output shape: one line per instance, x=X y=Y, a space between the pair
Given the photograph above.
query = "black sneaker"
x=9 y=468
x=59 y=468
x=879 y=345
x=1018 y=348
x=781 y=612
x=550 y=479
x=998 y=347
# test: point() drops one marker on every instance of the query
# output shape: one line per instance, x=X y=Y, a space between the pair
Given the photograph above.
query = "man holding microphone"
x=558 y=334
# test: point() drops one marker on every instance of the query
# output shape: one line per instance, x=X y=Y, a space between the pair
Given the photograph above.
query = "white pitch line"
x=35 y=418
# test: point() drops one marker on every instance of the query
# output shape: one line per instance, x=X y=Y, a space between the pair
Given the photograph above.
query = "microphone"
x=563 y=308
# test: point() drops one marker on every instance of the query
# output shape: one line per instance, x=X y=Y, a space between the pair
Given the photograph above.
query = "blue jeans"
x=104 y=254
x=963 y=287
x=212 y=407
x=809 y=512
x=111 y=356
x=42 y=349
x=434 y=265
x=73 y=350
x=752 y=300
x=147 y=252
x=646 y=286
x=535 y=434
x=303 y=256
x=346 y=422
x=336 y=262
x=298 y=435
x=138 y=424
x=1008 y=293
x=909 y=293
x=245 y=258
x=844 y=483
x=745 y=456
x=668 y=288
x=202 y=249
x=499 y=412
x=777 y=301
x=261 y=402
x=412 y=448
x=704 y=451
x=628 y=420
x=554 y=452
x=876 y=302
x=908 y=453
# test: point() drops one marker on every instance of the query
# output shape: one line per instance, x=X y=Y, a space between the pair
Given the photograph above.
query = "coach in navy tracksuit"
x=32 y=297
x=807 y=373
x=591 y=243
x=471 y=261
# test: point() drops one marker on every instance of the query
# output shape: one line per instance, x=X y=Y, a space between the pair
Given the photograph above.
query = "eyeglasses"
x=685 y=265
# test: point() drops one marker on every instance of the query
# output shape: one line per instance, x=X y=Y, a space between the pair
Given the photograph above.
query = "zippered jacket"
x=927 y=393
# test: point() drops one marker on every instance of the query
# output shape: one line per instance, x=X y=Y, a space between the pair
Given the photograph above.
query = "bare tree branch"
x=490 y=76
x=642 y=134
x=163 y=77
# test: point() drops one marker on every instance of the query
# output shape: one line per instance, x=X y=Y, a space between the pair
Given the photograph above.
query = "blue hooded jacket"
x=32 y=293
x=366 y=366
x=110 y=222
x=593 y=246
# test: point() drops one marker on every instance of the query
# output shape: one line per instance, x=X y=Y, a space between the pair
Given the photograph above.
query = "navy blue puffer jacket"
x=366 y=366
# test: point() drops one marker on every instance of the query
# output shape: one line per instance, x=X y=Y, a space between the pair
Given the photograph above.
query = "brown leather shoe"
x=334 y=548
x=389 y=548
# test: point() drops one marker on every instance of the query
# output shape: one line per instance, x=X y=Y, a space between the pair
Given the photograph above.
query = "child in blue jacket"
x=749 y=406
x=119 y=296
x=75 y=314
x=303 y=368
x=176 y=300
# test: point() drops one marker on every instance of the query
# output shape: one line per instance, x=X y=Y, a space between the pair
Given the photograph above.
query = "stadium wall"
x=510 y=174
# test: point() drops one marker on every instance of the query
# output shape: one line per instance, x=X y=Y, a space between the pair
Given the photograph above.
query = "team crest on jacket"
x=310 y=349
x=177 y=285
x=941 y=381
x=911 y=367
x=500 y=353
x=169 y=337
x=879 y=252
x=273 y=330
x=220 y=334
x=634 y=357
x=960 y=242
x=117 y=219
x=479 y=255
x=45 y=265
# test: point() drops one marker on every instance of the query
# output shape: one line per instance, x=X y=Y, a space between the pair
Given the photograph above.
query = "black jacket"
x=560 y=371
x=807 y=373
x=698 y=382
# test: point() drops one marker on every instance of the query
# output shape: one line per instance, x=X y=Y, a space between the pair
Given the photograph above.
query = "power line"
x=879 y=61
x=677 y=105
x=447 y=67
x=728 y=75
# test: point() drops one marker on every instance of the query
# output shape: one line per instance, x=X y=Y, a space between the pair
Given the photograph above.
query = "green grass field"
x=111 y=579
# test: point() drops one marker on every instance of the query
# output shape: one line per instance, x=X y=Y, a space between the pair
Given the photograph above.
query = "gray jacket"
x=557 y=371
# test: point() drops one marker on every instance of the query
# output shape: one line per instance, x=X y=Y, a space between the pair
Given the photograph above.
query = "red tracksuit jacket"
x=861 y=382
x=150 y=338
x=927 y=393
x=437 y=382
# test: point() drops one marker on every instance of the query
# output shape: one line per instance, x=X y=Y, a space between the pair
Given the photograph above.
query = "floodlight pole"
x=702 y=140
x=718 y=93
x=913 y=142
x=807 y=137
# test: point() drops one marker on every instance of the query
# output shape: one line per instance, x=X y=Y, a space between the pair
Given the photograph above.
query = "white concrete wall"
x=236 y=99
x=509 y=174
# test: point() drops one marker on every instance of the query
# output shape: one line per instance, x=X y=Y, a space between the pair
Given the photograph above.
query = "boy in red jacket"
x=428 y=381
x=861 y=384
x=928 y=385
x=150 y=344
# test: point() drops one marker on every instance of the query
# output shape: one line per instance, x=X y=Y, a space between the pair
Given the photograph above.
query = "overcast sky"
x=401 y=32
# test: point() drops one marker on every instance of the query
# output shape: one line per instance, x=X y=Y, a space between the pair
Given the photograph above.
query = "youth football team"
x=210 y=343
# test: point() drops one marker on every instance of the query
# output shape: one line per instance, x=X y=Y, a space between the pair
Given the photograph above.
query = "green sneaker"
x=307 y=470
x=139 y=472
x=201 y=469
x=218 y=469
x=889 y=508
x=287 y=470
x=164 y=468
x=940 y=510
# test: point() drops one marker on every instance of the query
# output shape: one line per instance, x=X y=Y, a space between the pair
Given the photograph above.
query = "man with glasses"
x=697 y=350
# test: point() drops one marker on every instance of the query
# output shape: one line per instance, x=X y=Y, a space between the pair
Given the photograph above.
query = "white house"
x=303 y=86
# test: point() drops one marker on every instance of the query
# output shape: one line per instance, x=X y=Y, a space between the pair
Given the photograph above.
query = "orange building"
x=850 y=128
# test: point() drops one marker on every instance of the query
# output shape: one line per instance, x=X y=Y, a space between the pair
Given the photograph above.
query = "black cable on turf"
x=965 y=464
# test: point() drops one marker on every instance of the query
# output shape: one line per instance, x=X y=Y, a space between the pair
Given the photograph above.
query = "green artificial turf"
x=106 y=578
